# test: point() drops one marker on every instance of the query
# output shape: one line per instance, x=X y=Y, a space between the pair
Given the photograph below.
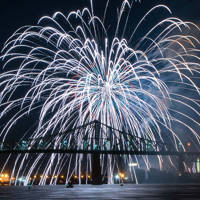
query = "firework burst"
x=72 y=71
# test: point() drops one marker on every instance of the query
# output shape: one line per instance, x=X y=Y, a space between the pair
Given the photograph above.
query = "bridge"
x=96 y=138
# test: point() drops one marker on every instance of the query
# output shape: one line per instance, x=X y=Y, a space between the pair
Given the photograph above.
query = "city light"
x=132 y=164
x=4 y=178
x=22 y=179
x=188 y=144
x=6 y=175
x=117 y=176
x=121 y=175
x=198 y=165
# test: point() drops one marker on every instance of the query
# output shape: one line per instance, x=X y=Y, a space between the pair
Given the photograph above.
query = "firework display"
x=72 y=69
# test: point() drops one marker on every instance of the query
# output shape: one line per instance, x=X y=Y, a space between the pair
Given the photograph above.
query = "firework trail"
x=72 y=70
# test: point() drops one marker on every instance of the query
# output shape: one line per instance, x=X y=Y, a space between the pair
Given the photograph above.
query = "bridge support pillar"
x=181 y=165
x=96 y=166
x=96 y=169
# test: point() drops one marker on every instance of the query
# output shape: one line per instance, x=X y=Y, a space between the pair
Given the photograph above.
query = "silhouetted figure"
x=69 y=185
x=29 y=185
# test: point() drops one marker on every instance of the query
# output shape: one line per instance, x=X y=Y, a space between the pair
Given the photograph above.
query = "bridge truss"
x=96 y=138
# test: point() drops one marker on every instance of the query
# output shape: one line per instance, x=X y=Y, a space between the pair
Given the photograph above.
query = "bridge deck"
x=71 y=151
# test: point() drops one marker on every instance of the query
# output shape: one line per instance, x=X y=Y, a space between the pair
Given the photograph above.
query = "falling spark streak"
x=77 y=73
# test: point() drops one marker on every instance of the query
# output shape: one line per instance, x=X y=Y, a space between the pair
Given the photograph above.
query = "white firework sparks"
x=74 y=71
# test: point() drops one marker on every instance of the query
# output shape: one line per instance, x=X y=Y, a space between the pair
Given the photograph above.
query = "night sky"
x=17 y=13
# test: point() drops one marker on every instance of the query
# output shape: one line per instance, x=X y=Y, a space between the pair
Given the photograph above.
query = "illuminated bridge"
x=96 y=138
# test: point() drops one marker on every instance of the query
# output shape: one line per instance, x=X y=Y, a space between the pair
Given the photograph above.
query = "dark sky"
x=16 y=13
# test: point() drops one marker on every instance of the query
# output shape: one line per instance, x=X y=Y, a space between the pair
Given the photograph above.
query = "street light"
x=121 y=175
x=188 y=144
x=198 y=165
x=117 y=176
x=132 y=164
